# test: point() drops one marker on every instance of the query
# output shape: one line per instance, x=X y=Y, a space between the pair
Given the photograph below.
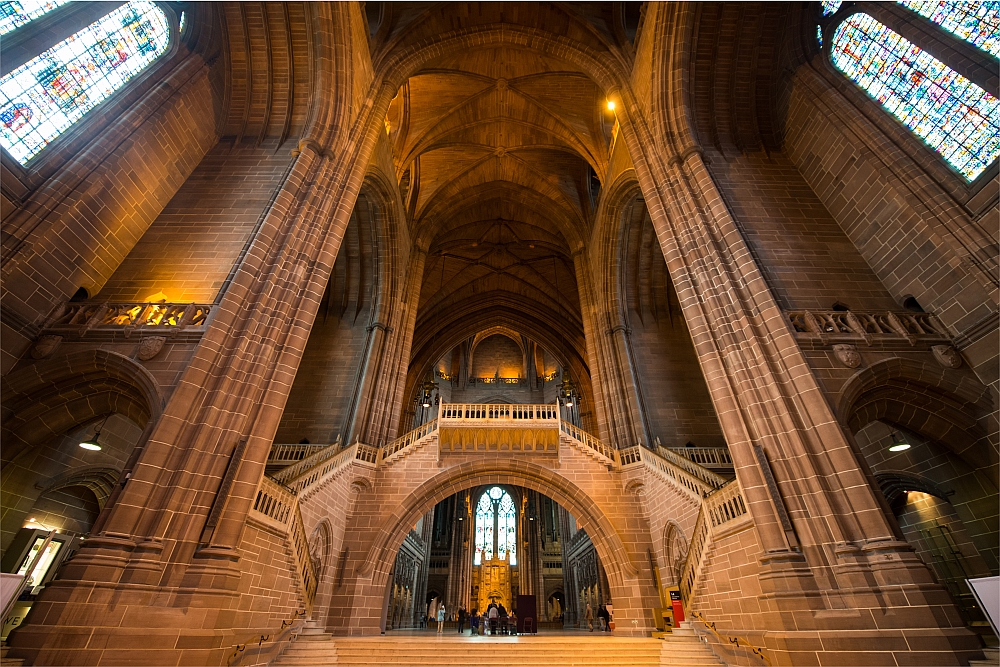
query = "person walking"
x=588 y=616
x=461 y=620
x=440 y=619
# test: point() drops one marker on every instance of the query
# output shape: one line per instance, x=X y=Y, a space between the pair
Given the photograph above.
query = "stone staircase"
x=991 y=658
x=683 y=649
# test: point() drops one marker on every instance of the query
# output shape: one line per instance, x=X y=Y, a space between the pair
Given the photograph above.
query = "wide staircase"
x=579 y=649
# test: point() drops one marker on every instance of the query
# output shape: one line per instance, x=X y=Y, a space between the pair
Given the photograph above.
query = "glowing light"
x=954 y=116
x=157 y=298
x=901 y=447
x=611 y=105
x=91 y=445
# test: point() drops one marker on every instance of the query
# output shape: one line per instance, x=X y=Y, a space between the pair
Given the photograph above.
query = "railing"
x=867 y=327
x=520 y=382
x=129 y=316
x=668 y=471
x=709 y=457
x=717 y=510
x=694 y=469
x=278 y=506
x=294 y=471
x=732 y=640
x=451 y=414
x=601 y=450
x=289 y=454
x=410 y=438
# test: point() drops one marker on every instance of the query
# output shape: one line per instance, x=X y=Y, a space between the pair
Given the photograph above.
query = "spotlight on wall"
x=898 y=443
x=93 y=444
x=611 y=105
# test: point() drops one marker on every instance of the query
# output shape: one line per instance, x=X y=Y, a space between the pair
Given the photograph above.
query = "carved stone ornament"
x=150 y=346
x=45 y=345
x=947 y=356
x=848 y=355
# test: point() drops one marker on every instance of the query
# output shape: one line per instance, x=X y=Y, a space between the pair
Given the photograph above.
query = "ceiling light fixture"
x=92 y=444
x=899 y=444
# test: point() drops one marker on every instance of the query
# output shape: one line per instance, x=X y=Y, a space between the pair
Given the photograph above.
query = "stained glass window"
x=484 y=529
x=507 y=529
x=496 y=514
x=44 y=97
x=15 y=14
x=974 y=21
x=819 y=36
x=957 y=118
x=830 y=7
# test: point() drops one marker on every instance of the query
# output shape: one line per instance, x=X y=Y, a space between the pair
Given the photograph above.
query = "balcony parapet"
x=834 y=326
x=165 y=319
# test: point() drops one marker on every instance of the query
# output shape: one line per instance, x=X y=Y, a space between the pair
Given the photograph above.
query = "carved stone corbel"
x=150 y=346
x=45 y=345
x=947 y=356
x=848 y=355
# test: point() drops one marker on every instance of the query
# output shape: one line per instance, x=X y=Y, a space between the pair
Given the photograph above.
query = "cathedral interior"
x=324 y=321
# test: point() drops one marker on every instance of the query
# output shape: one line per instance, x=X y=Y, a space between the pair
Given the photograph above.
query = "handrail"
x=867 y=327
x=668 y=471
x=717 y=510
x=292 y=453
x=705 y=456
x=508 y=412
x=736 y=639
x=704 y=474
x=285 y=475
x=278 y=506
x=404 y=441
x=288 y=627
x=596 y=446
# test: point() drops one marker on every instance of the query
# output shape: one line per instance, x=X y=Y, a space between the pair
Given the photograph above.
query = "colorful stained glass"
x=975 y=21
x=830 y=7
x=507 y=529
x=954 y=116
x=819 y=36
x=44 y=97
x=182 y=23
x=484 y=529
x=15 y=14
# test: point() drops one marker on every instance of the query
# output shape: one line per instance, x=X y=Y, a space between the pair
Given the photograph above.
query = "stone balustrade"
x=723 y=509
x=849 y=326
x=454 y=414
x=165 y=318
x=278 y=507
x=289 y=454
x=707 y=457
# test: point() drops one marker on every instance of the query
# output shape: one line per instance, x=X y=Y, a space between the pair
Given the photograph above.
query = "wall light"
x=611 y=105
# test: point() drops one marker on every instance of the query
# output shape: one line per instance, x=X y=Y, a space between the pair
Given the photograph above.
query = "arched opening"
x=496 y=546
x=923 y=435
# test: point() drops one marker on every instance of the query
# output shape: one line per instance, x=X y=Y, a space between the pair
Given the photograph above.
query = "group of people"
x=603 y=617
x=496 y=620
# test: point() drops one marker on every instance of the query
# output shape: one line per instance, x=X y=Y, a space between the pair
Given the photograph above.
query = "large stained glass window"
x=830 y=7
x=484 y=529
x=15 y=14
x=975 y=21
x=496 y=526
x=957 y=118
x=44 y=97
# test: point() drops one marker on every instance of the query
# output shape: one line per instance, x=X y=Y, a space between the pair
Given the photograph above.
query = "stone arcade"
x=318 y=315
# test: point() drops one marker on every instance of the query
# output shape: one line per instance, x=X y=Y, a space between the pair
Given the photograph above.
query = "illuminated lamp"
x=92 y=444
x=899 y=444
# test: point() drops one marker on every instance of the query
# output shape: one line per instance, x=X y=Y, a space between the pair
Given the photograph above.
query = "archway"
x=381 y=528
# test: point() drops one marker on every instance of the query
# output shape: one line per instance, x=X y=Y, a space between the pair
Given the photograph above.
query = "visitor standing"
x=440 y=619
x=461 y=619
x=589 y=617
x=494 y=616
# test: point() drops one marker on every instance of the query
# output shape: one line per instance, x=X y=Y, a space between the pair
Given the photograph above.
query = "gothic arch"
x=937 y=403
x=610 y=548
x=54 y=396
x=675 y=548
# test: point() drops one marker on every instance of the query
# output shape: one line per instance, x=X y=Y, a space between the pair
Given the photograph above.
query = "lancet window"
x=496 y=526
x=954 y=116
x=47 y=95
x=974 y=21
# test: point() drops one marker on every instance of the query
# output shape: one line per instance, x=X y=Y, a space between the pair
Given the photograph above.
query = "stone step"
x=431 y=650
x=991 y=658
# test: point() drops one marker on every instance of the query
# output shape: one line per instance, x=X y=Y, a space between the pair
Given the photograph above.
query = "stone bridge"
x=365 y=500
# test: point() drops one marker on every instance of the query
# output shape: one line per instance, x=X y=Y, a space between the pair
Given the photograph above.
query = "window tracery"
x=974 y=21
x=954 y=116
x=51 y=92
x=17 y=13
x=496 y=525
